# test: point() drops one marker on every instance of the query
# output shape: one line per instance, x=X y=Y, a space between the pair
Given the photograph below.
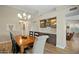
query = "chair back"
x=31 y=33
x=15 y=47
x=36 y=34
x=39 y=44
x=69 y=36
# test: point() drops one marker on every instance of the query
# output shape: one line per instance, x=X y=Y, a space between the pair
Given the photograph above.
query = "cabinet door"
x=42 y=23
x=52 y=22
x=52 y=39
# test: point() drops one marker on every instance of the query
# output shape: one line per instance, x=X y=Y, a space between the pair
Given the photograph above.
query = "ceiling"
x=36 y=9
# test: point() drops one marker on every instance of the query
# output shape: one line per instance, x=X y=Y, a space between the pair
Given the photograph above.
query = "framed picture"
x=43 y=23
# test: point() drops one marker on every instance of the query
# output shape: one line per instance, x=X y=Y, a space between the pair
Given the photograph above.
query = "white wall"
x=8 y=15
x=73 y=26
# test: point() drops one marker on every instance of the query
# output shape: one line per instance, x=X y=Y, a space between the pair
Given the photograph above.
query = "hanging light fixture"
x=23 y=19
x=24 y=16
x=19 y=16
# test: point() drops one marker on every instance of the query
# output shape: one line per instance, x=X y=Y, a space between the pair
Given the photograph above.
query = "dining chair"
x=31 y=33
x=36 y=34
x=15 y=47
x=69 y=36
x=39 y=44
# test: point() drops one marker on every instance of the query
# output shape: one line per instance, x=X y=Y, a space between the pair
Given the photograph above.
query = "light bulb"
x=24 y=14
x=29 y=16
x=19 y=15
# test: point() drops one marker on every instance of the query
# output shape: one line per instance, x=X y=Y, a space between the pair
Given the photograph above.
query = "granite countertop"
x=46 y=32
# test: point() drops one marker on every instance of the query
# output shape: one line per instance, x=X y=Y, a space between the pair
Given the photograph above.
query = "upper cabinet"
x=51 y=22
x=43 y=23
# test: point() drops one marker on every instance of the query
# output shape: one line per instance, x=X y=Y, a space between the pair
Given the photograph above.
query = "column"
x=61 y=28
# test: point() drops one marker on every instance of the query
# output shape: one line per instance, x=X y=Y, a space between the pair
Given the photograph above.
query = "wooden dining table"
x=24 y=42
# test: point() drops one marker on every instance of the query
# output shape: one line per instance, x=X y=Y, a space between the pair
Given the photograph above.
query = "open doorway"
x=72 y=35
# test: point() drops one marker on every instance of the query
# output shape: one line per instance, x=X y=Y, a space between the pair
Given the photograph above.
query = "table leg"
x=21 y=49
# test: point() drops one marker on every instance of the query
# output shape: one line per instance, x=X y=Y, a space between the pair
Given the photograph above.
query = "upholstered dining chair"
x=69 y=36
x=39 y=44
x=31 y=33
x=36 y=34
x=15 y=47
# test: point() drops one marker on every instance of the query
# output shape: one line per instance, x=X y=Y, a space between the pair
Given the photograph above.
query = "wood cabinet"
x=43 y=23
x=51 y=39
x=51 y=22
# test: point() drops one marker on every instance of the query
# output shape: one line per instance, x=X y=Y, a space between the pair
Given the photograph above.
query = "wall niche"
x=51 y=22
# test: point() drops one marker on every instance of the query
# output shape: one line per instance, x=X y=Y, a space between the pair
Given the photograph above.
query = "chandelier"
x=23 y=21
x=24 y=17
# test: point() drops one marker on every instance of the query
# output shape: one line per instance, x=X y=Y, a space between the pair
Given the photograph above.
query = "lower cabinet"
x=51 y=39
